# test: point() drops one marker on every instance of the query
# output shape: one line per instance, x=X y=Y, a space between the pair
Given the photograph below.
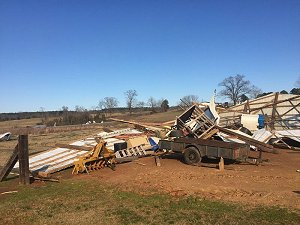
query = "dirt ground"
x=272 y=183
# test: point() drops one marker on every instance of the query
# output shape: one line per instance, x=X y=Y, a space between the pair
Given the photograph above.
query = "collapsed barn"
x=202 y=130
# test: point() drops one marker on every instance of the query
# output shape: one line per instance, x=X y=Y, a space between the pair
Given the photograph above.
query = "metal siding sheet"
x=60 y=158
x=262 y=135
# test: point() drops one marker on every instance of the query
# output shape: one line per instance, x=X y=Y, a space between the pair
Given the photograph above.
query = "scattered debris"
x=46 y=179
x=53 y=160
x=96 y=159
x=137 y=141
x=64 y=156
x=196 y=123
x=260 y=145
x=8 y=192
x=289 y=137
x=203 y=130
x=5 y=137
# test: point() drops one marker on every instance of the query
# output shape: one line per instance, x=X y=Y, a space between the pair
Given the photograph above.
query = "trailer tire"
x=192 y=156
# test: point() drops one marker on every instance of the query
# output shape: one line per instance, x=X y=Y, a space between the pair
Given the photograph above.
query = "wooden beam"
x=253 y=101
x=275 y=102
x=246 y=107
x=9 y=164
x=136 y=123
x=295 y=106
x=272 y=122
x=23 y=159
x=261 y=145
x=210 y=132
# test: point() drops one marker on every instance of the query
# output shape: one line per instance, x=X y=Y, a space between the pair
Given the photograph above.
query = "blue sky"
x=58 y=52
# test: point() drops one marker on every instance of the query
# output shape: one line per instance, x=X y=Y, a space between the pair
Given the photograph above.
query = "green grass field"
x=89 y=202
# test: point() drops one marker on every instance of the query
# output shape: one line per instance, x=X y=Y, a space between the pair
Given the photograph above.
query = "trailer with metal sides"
x=194 y=150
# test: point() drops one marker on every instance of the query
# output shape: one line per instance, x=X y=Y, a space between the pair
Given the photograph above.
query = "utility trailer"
x=194 y=150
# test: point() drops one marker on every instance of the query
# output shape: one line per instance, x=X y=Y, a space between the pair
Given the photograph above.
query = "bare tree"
x=79 y=108
x=101 y=104
x=65 y=108
x=255 y=92
x=94 y=108
x=108 y=103
x=235 y=86
x=188 y=100
x=44 y=114
x=140 y=104
x=152 y=103
x=130 y=96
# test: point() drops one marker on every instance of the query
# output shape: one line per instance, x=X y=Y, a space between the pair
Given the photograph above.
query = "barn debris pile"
x=127 y=144
x=5 y=137
x=263 y=123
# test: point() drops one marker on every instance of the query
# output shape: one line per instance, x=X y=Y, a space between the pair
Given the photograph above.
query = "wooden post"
x=272 y=123
x=23 y=159
x=221 y=164
x=157 y=160
x=9 y=164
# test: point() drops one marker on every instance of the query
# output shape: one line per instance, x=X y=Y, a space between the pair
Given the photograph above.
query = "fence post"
x=23 y=159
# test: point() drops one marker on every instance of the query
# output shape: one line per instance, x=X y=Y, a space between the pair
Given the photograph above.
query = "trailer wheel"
x=192 y=156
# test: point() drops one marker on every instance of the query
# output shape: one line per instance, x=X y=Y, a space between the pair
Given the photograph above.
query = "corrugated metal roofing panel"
x=60 y=158
x=262 y=135
x=292 y=134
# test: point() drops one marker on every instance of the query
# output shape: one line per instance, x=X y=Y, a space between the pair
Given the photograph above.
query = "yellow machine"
x=97 y=158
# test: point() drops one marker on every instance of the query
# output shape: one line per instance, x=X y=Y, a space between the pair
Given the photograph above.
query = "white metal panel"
x=262 y=135
x=292 y=134
x=60 y=158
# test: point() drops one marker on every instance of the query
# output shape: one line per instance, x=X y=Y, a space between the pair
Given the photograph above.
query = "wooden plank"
x=209 y=133
x=9 y=164
x=246 y=107
x=23 y=159
x=137 y=124
x=295 y=106
x=262 y=146
x=271 y=124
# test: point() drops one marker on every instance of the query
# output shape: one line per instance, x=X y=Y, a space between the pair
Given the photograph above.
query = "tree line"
x=235 y=89
x=110 y=103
